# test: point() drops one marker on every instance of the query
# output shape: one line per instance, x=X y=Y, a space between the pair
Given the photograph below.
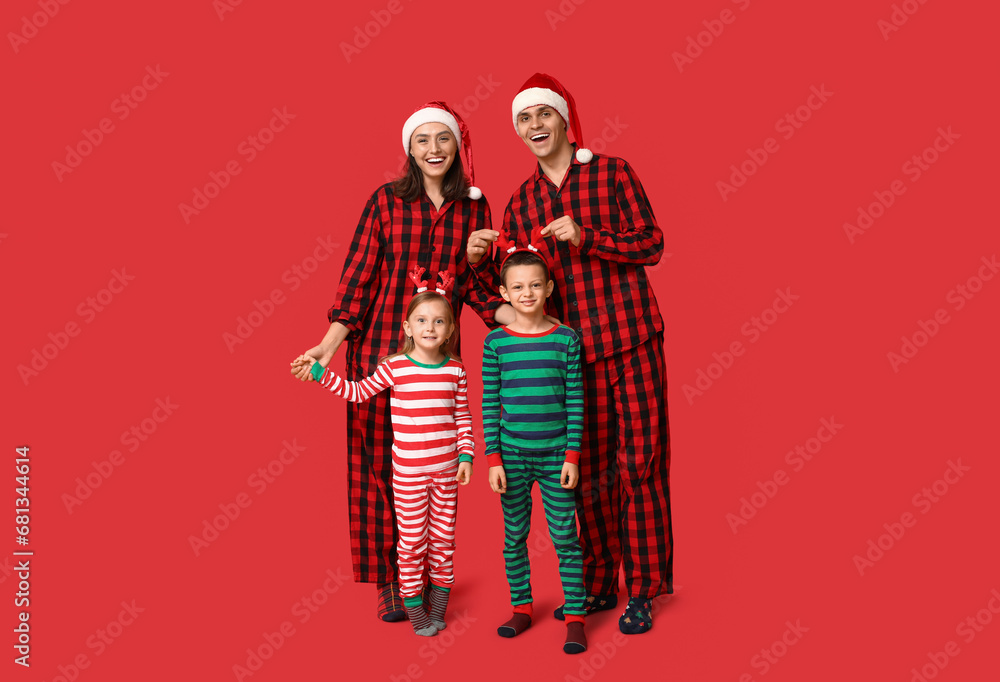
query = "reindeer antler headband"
x=509 y=247
x=445 y=286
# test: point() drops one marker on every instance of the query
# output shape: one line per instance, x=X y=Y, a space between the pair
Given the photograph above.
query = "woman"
x=422 y=219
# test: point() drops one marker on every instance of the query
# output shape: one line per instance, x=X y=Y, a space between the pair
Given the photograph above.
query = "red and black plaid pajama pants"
x=623 y=501
x=369 y=490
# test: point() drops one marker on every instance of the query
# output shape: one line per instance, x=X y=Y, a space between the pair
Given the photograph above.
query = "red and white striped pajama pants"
x=426 y=506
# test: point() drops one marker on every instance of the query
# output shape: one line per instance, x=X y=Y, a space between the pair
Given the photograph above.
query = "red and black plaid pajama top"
x=392 y=237
x=601 y=291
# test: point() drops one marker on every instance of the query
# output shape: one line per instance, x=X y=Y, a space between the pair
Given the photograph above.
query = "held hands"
x=480 y=243
x=570 y=475
x=464 y=473
x=302 y=365
x=564 y=229
x=498 y=479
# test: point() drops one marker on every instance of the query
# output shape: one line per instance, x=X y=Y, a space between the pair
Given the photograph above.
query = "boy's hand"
x=464 y=473
x=498 y=479
x=570 y=475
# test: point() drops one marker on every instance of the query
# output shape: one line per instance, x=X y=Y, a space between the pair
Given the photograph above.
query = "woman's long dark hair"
x=410 y=184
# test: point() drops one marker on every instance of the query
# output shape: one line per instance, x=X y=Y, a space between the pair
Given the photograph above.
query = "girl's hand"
x=498 y=479
x=303 y=362
x=570 y=475
x=323 y=352
x=464 y=473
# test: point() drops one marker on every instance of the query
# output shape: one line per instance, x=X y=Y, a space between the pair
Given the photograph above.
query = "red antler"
x=505 y=244
x=536 y=238
x=447 y=281
x=415 y=276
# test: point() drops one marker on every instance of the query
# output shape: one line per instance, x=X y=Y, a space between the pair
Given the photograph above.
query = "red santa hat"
x=544 y=89
x=440 y=112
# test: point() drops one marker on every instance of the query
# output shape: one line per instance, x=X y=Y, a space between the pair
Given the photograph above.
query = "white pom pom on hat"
x=544 y=89
x=440 y=112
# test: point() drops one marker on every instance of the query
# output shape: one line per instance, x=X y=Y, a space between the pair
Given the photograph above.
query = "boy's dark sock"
x=439 y=604
x=518 y=623
x=576 y=638
x=421 y=622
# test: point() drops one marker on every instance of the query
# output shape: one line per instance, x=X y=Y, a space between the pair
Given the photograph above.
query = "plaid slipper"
x=390 y=604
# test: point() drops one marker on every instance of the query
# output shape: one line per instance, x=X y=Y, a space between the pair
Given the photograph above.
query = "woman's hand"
x=302 y=365
x=298 y=362
x=505 y=314
x=321 y=353
x=480 y=243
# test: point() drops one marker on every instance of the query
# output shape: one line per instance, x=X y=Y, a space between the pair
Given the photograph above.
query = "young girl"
x=432 y=447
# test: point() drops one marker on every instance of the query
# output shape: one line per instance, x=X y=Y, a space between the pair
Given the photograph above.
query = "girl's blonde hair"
x=406 y=342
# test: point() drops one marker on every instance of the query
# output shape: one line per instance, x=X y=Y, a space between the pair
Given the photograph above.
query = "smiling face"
x=433 y=146
x=430 y=325
x=526 y=287
x=543 y=130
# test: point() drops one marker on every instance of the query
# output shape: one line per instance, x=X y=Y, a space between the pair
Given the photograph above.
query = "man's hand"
x=564 y=229
x=498 y=479
x=570 y=475
x=464 y=473
x=480 y=243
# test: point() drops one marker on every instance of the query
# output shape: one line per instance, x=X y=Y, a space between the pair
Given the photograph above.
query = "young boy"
x=533 y=422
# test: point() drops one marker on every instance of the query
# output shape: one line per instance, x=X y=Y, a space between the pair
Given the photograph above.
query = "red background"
x=163 y=335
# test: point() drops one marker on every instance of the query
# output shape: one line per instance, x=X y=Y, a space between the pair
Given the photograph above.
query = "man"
x=603 y=233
